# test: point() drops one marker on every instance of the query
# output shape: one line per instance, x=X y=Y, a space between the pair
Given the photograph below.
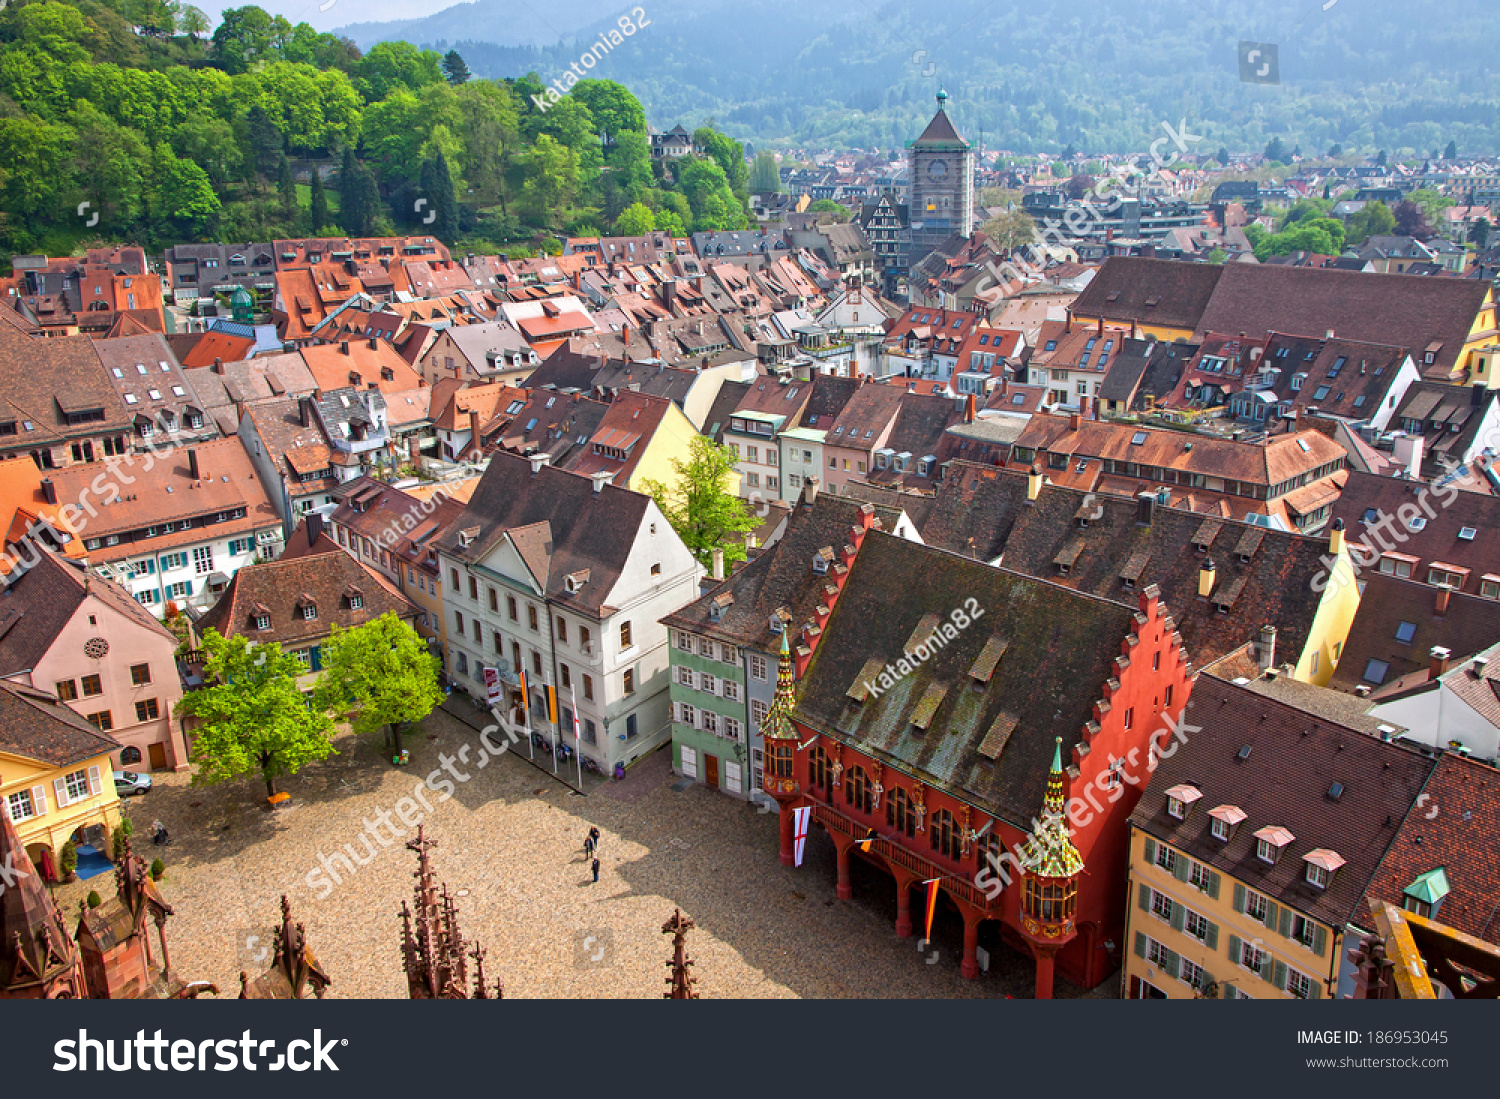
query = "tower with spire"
x=940 y=168
x=1049 y=897
x=434 y=953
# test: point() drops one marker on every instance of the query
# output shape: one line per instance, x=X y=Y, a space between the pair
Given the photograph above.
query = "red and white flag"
x=801 y=817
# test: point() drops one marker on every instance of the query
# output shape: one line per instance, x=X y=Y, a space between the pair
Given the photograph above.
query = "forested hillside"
x=1033 y=77
x=126 y=120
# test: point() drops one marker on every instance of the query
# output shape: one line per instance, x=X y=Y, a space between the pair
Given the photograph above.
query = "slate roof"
x=1440 y=538
x=1468 y=625
x=729 y=396
x=1167 y=293
x=589 y=530
x=1062 y=647
x=984 y=512
x=1462 y=837
x=566 y=369
x=1285 y=781
x=1357 y=375
x=283 y=587
x=781 y=576
x=36 y=726
x=918 y=431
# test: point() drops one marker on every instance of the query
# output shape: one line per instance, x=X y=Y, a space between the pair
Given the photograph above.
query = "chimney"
x=305 y=405
x=1480 y=664
x=193 y=470
x=1145 y=508
x=538 y=461
x=600 y=479
x=1408 y=453
x=1034 y=484
x=1439 y=663
x=374 y=343
x=718 y=567
x=474 y=430
x=1267 y=657
x=344 y=347
x=314 y=527
x=750 y=542
x=1328 y=335
x=1336 y=538
x=1206 y=573
x=49 y=490
x=1075 y=421
x=1363 y=690
x=1444 y=593
x=810 y=491
x=218 y=366
x=969 y=409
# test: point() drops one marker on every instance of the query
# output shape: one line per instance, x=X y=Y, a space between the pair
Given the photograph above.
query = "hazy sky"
x=340 y=12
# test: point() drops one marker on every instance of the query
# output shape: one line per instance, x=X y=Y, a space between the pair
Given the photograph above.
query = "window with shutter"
x=1213 y=884
x=689 y=762
x=95 y=786
x=1235 y=946
x=60 y=787
x=1239 y=897
x=1181 y=868
x=1279 y=977
x=1211 y=940
x=1178 y=916
x=1320 y=941
x=1145 y=896
x=1273 y=914
x=1150 y=850
x=1286 y=923
x=1140 y=945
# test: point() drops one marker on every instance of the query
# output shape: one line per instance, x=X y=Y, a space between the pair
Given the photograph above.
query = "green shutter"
x=1181 y=867
x=1320 y=941
x=1140 y=945
x=1273 y=913
x=1286 y=923
x=1235 y=954
x=1279 y=979
x=1145 y=891
x=1178 y=914
x=1213 y=885
x=1150 y=850
x=1212 y=941
x=1169 y=964
x=1315 y=990
x=1239 y=897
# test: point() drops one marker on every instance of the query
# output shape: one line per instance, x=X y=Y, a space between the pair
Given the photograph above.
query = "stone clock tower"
x=941 y=171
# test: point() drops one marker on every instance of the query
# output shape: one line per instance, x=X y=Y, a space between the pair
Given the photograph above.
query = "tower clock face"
x=938 y=169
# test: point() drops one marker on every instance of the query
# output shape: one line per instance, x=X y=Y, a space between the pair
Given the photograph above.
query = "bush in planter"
x=67 y=860
x=94 y=900
x=117 y=840
x=158 y=868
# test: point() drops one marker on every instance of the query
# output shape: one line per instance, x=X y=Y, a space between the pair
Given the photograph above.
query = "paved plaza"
x=510 y=847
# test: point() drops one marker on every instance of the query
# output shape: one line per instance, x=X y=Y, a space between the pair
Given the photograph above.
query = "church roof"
x=940 y=131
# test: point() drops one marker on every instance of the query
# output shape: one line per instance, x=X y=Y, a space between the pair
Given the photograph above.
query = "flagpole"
x=577 y=740
x=553 y=717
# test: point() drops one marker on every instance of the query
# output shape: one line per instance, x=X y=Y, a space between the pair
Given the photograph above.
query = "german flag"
x=864 y=844
x=552 y=704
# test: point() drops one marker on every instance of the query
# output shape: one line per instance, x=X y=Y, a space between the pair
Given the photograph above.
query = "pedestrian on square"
x=588 y=845
x=594 y=836
x=595 y=868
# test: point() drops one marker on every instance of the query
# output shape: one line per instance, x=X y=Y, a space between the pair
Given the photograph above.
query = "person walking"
x=588 y=845
x=595 y=868
x=594 y=838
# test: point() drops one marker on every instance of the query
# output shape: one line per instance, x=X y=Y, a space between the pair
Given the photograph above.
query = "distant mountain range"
x=1404 y=75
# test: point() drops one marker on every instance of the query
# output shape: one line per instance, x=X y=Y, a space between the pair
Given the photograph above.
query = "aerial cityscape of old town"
x=524 y=517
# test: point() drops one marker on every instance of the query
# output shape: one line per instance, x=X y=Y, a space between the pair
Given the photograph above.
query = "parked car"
x=131 y=783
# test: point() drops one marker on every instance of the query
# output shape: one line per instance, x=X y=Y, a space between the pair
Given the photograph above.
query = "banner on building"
x=801 y=816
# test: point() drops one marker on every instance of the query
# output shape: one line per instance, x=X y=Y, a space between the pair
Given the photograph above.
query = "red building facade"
x=944 y=771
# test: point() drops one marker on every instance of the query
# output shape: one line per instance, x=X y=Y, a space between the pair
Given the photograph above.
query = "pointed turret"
x=1052 y=864
x=778 y=722
x=38 y=959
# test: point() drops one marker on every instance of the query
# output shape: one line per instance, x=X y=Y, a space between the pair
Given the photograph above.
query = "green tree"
x=828 y=206
x=550 y=170
x=378 y=677
x=702 y=505
x=1223 y=157
x=1335 y=150
x=390 y=65
x=1373 y=220
x=359 y=197
x=1303 y=209
x=317 y=210
x=1380 y=158
x=1276 y=151
x=437 y=187
x=668 y=221
x=612 y=106
x=1011 y=230
x=1451 y=152
x=192 y=21
x=263 y=145
x=636 y=221
x=765 y=177
x=454 y=69
x=1479 y=233
x=252 y=718
x=184 y=198
x=243 y=37
x=286 y=189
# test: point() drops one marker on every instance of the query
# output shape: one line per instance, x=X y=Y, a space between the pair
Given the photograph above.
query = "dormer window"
x=1226 y=818
x=1424 y=896
x=1270 y=841
x=1180 y=800
x=262 y=621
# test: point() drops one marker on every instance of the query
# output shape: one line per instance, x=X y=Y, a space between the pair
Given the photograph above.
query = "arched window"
x=945 y=834
x=857 y=789
x=819 y=768
x=899 y=813
x=130 y=754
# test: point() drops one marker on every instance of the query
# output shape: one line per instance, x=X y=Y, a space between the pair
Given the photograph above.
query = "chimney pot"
x=193 y=470
x=1440 y=657
x=344 y=347
x=1444 y=593
x=1145 y=508
x=718 y=566
x=1206 y=574
x=810 y=491
x=1267 y=648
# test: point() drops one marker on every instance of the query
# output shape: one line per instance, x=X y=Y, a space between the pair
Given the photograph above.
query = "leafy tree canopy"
x=702 y=504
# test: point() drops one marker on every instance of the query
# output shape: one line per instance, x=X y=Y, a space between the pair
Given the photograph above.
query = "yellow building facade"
x=51 y=804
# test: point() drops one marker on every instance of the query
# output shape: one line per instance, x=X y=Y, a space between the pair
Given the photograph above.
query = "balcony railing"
x=898 y=855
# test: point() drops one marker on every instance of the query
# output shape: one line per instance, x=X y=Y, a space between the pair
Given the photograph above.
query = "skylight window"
x=1302 y=443
x=1405 y=632
x=1138 y=438
x=178 y=391
x=1319 y=394
x=118 y=372
x=1468 y=533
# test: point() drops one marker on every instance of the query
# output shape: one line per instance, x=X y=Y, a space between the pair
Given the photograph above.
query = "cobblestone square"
x=510 y=846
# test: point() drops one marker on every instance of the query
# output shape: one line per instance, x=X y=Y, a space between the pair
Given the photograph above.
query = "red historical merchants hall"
x=955 y=722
